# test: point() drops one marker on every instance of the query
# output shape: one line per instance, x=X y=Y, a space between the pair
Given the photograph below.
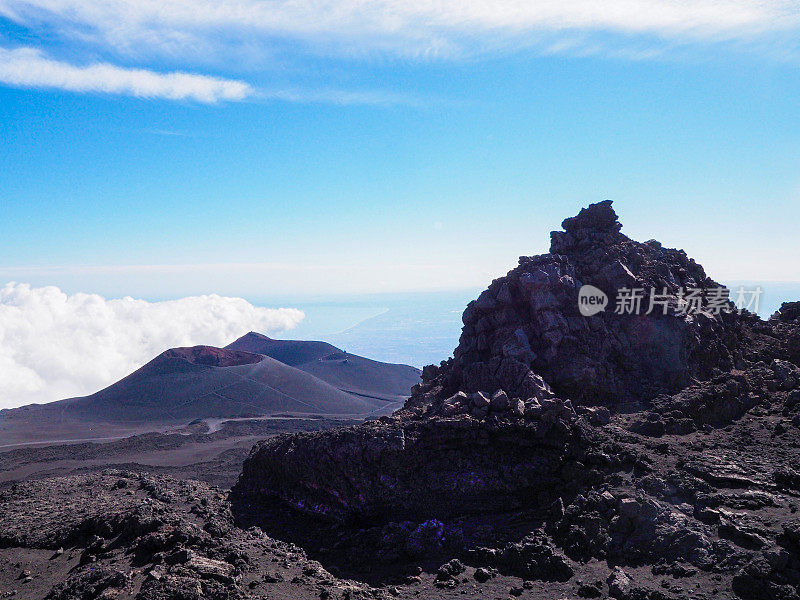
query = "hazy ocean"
x=423 y=328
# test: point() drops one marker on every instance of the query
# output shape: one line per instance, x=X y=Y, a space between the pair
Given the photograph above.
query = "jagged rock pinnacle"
x=599 y=217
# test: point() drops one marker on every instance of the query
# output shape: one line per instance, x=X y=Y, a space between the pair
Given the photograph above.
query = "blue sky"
x=307 y=148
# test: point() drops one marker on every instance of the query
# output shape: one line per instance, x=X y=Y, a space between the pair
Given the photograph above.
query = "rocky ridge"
x=526 y=329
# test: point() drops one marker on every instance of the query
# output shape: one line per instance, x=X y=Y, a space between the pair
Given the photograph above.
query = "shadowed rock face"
x=399 y=469
x=492 y=427
x=524 y=348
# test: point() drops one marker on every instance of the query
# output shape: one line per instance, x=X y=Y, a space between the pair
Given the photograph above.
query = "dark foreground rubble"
x=120 y=534
x=126 y=535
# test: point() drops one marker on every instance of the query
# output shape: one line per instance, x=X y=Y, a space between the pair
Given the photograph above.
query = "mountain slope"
x=183 y=384
x=291 y=352
x=345 y=371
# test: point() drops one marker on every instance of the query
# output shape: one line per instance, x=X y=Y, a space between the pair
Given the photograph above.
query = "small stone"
x=619 y=584
x=517 y=407
x=589 y=591
x=479 y=400
x=457 y=398
x=597 y=415
x=556 y=510
x=500 y=401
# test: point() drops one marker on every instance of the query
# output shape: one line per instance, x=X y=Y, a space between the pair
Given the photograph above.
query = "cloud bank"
x=54 y=345
x=29 y=67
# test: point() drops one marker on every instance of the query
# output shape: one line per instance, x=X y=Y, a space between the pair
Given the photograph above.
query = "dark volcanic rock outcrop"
x=495 y=425
x=528 y=322
x=654 y=440
x=556 y=455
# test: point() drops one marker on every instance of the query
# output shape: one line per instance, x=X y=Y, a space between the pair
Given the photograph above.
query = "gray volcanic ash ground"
x=632 y=456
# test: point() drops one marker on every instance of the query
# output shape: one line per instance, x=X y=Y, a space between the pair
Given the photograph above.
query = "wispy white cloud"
x=54 y=345
x=309 y=276
x=29 y=67
x=422 y=27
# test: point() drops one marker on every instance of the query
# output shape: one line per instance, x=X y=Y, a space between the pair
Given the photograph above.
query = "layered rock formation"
x=398 y=469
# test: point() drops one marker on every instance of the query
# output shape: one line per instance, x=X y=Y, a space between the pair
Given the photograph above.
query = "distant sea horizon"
x=421 y=328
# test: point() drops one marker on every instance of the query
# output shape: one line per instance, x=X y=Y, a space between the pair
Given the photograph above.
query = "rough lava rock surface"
x=126 y=535
x=630 y=455
x=496 y=425
x=528 y=323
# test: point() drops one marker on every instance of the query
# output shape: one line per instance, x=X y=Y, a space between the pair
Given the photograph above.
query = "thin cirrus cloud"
x=405 y=26
x=29 y=67
x=54 y=345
